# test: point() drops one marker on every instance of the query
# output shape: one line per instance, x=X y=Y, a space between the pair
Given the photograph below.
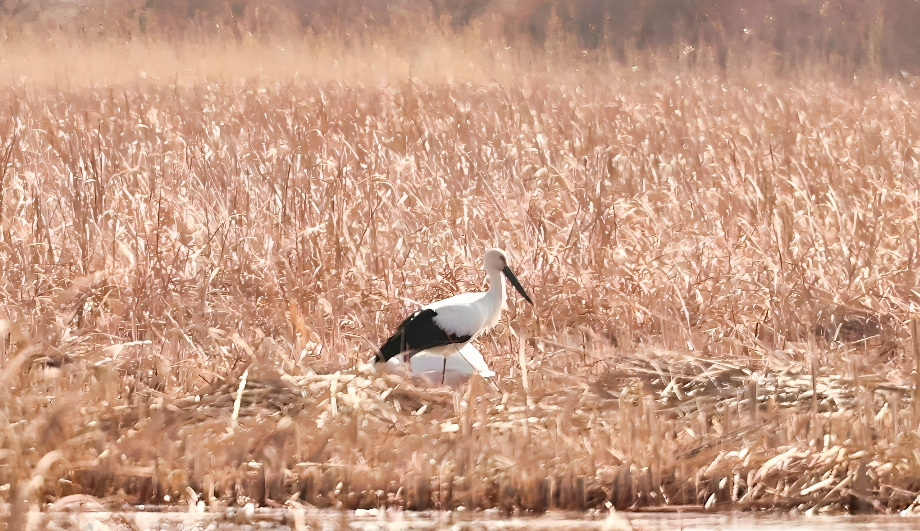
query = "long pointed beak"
x=516 y=284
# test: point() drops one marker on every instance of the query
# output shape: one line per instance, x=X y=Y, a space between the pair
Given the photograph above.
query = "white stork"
x=446 y=326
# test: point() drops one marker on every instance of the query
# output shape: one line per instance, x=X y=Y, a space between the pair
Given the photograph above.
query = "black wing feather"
x=417 y=332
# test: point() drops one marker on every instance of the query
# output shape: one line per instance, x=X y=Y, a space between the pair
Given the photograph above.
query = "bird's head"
x=496 y=260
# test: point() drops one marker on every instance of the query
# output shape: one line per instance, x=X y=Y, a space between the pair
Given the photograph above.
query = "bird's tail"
x=391 y=348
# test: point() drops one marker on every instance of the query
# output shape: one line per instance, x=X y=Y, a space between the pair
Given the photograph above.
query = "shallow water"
x=323 y=521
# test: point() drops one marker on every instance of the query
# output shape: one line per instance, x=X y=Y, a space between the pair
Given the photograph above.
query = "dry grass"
x=723 y=272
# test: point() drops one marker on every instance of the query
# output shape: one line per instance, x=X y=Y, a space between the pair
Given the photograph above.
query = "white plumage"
x=433 y=370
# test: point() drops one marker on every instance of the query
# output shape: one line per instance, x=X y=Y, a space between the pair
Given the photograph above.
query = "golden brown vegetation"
x=724 y=273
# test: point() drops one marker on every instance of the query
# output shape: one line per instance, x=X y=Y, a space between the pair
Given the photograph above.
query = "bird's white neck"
x=496 y=286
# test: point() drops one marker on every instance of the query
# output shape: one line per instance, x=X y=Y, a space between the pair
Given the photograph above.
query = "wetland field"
x=202 y=241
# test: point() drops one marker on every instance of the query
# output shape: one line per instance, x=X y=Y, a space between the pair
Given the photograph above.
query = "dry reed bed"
x=723 y=272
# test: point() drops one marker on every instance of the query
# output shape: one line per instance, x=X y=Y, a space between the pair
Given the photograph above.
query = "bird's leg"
x=406 y=366
x=444 y=371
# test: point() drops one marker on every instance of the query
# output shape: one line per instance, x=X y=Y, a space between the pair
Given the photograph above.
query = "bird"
x=444 y=327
